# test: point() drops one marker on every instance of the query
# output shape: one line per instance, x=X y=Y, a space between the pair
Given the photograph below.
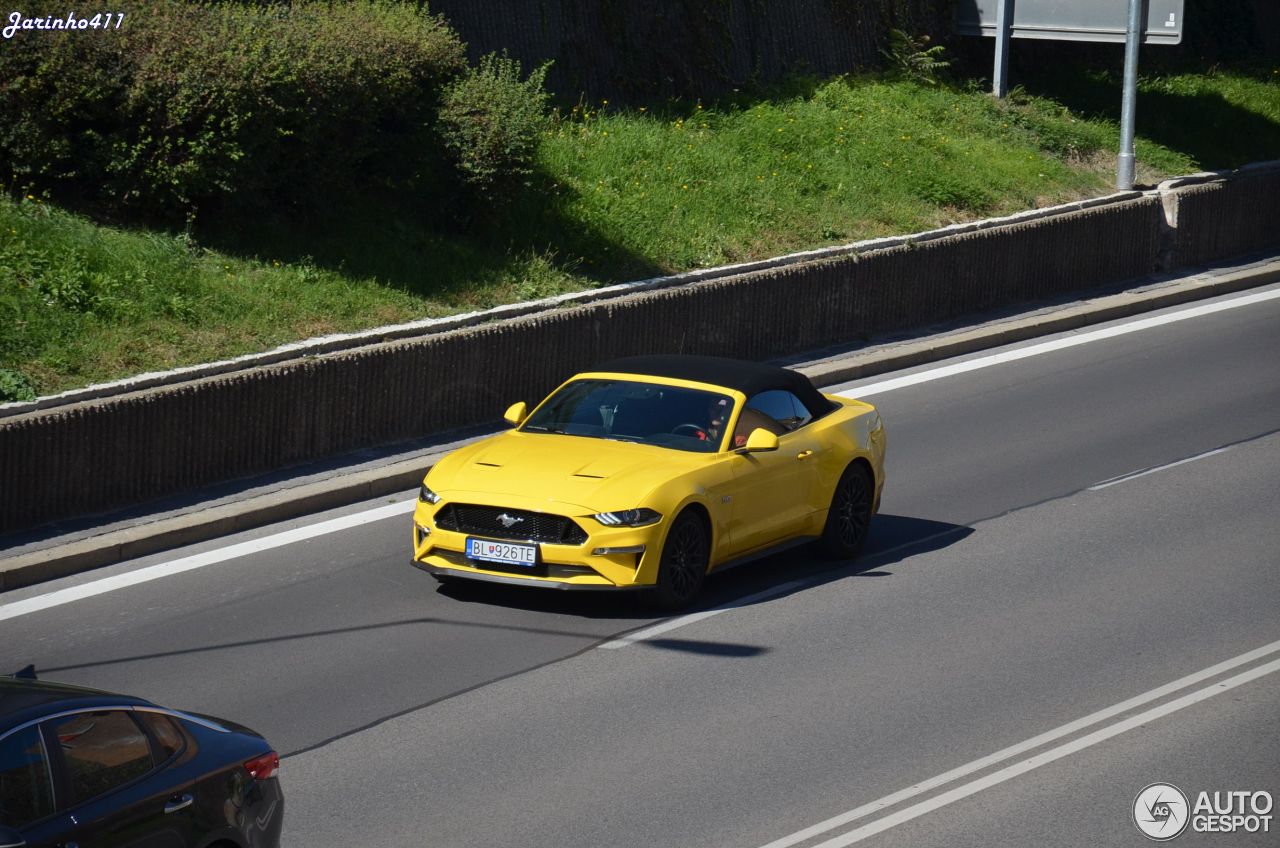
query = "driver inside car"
x=748 y=422
x=717 y=413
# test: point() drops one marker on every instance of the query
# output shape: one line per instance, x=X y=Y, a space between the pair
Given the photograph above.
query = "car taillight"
x=260 y=768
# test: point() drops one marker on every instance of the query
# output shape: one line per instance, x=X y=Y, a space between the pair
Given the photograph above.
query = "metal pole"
x=1004 y=31
x=1128 y=103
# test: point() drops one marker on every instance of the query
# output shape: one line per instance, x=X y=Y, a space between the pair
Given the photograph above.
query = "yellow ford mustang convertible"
x=651 y=472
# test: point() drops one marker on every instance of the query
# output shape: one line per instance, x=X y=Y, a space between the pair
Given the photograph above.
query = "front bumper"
x=612 y=558
x=517 y=580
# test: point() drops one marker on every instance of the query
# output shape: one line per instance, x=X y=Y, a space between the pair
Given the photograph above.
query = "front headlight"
x=427 y=496
x=628 y=518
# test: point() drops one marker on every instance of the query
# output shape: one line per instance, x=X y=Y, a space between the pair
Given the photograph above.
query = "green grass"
x=854 y=159
x=619 y=195
x=81 y=303
x=1216 y=120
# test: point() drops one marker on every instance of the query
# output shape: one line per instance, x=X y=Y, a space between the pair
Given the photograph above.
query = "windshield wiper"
x=536 y=428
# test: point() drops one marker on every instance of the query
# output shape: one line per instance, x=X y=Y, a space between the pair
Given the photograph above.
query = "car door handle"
x=179 y=803
x=804 y=454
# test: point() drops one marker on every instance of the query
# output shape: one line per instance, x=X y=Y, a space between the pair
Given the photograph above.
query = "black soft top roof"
x=750 y=378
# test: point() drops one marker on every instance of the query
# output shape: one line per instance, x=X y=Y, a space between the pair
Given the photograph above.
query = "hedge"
x=186 y=108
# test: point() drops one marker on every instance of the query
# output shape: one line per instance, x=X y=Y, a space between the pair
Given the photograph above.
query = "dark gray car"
x=80 y=768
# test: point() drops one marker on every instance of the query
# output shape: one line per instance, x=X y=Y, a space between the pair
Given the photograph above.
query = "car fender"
x=678 y=504
x=858 y=433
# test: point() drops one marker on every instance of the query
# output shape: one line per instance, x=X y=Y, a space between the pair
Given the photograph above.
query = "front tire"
x=849 y=518
x=685 y=556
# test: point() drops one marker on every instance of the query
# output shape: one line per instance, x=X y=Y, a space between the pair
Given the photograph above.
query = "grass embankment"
x=620 y=194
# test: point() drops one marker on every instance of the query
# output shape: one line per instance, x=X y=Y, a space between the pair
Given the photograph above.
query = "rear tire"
x=849 y=518
x=683 y=567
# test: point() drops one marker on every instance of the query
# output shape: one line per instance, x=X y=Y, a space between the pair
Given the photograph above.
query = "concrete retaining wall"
x=1226 y=217
x=102 y=454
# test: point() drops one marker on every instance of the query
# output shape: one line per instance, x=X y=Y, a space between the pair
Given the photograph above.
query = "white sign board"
x=1073 y=20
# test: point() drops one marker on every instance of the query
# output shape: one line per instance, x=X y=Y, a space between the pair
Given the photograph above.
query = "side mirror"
x=10 y=838
x=761 y=440
x=516 y=413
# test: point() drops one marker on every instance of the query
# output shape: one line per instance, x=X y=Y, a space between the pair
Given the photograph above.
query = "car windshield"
x=633 y=411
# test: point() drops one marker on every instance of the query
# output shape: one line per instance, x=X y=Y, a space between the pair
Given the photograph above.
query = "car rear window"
x=167 y=737
x=102 y=750
x=783 y=407
x=26 y=792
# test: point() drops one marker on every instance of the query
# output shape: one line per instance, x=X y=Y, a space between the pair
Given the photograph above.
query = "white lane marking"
x=189 y=563
x=1134 y=475
x=1056 y=344
x=1022 y=747
x=672 y=624
x=1053 y=754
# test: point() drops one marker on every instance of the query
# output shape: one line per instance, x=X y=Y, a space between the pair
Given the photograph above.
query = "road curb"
x=62 y=560
x=164 y=534
x=1084 y=313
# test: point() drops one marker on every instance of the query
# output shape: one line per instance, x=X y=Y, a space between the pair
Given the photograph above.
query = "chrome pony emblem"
x=509 y=521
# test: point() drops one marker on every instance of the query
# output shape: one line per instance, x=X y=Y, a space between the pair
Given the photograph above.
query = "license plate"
x=508 y=553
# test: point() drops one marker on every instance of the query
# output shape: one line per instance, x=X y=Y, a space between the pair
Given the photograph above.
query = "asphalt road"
x=1012 y=587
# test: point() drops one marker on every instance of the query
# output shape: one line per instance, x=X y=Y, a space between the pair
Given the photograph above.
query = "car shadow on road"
x=892 y=539
x=624 y=606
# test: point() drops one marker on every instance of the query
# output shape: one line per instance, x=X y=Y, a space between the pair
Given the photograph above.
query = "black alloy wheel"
x=683 y=566
x=850 y=515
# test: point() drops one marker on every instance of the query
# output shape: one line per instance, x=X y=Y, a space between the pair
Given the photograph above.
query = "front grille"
x=531 y=526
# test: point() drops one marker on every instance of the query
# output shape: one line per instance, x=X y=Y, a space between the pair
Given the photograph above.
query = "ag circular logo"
x=1161 y=811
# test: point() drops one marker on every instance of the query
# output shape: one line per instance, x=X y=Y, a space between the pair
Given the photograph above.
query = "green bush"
x=14 y=385
x=62 y=97
x=913 y=59
x=189 y=107
x=490 y=123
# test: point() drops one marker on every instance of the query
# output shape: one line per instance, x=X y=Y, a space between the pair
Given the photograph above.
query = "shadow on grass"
x=1205 y=126
x=432 y=248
